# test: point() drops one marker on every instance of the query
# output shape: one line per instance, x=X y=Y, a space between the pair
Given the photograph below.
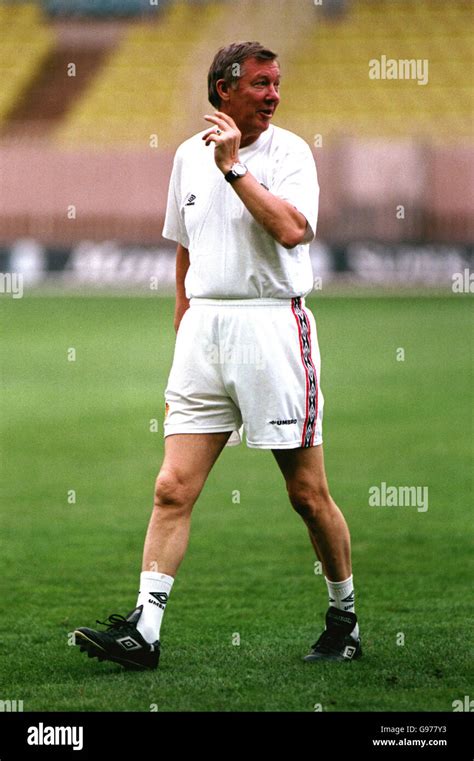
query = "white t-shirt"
x=230 y=253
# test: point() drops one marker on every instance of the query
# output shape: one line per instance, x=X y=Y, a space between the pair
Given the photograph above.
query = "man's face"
x=254 y=101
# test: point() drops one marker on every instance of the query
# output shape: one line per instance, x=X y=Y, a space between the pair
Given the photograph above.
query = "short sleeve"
x=174 y=227
x=296 y=181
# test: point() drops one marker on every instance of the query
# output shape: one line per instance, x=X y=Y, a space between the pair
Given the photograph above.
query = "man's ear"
x=223 y=89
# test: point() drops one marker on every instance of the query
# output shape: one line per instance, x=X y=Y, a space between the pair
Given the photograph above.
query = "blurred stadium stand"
x=21 y=25
x=100 y=8
x=97 y=94
x=328 y=76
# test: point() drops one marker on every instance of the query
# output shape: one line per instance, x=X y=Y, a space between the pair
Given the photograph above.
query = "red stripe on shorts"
x=311 y=397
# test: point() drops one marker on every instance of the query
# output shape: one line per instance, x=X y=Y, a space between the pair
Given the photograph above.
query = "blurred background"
x=97 y=94
x=95 y=97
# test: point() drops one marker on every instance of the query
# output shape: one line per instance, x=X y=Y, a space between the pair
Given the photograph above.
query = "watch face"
x=239 y=170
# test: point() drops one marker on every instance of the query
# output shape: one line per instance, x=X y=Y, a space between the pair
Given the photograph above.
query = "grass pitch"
x=78 y=467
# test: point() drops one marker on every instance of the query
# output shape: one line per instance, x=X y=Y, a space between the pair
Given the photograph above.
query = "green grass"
x=84 y=426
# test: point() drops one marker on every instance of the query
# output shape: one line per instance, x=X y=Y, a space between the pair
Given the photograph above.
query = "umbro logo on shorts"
x=190 y=200
x=293 y=421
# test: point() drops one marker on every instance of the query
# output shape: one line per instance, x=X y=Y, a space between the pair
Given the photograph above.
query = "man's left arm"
x=278 y=217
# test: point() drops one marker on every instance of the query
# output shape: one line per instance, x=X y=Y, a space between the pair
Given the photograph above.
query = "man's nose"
x=273 y=94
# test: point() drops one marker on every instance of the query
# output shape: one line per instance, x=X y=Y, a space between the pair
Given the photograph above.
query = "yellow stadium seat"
x=328 y=79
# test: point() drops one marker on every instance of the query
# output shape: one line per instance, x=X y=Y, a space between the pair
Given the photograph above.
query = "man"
x=242 y=207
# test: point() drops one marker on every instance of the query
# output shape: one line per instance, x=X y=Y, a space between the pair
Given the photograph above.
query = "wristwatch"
x=238 y=170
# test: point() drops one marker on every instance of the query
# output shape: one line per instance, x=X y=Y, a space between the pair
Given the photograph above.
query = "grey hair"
x=227 y=64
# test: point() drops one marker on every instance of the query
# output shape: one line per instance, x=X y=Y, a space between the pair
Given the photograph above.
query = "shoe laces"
x=115 y=621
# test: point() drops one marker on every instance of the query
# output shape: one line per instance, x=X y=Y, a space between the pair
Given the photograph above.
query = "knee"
x=309 y=500
x=171 y=491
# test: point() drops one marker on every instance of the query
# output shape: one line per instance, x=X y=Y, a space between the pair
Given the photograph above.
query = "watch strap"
x=232 y=176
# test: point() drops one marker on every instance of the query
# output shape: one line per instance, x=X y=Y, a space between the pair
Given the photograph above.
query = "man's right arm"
x=182 y=266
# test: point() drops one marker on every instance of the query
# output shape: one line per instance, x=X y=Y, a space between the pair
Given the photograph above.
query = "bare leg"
x=308 y=491
x=186 y=465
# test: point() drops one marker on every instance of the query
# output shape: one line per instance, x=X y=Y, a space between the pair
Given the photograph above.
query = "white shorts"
x=251 y=364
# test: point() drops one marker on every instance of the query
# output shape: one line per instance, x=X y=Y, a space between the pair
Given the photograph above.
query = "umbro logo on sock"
x=349 y=598
x=161 y=598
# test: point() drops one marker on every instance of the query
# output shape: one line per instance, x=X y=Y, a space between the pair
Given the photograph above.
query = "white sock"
x=154 y=592
x=341 y=596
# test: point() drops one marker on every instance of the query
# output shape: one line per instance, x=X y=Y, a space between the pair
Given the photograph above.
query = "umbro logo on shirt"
x=293 y=421
x=190 y=200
